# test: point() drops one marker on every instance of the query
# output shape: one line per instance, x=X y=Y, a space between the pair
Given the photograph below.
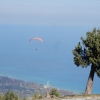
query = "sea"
x=40 y=62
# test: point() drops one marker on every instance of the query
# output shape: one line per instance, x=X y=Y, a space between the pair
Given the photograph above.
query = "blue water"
x=52 y=61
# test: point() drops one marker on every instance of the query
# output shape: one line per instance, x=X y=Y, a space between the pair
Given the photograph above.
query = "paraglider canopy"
x=36 y=38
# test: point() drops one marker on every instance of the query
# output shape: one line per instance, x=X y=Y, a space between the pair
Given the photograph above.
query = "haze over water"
x=60 y=24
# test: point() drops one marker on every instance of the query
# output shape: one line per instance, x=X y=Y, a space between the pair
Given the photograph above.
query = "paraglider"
x=36 y=38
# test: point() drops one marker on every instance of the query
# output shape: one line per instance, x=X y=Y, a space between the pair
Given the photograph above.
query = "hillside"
x=23 y=88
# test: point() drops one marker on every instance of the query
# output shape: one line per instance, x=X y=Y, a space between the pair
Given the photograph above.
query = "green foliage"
x=10 y=96
x=1 y=97
x=54 y=92
x=40 y=96
x=24 y=98
x=88 y=53
x=36 y=96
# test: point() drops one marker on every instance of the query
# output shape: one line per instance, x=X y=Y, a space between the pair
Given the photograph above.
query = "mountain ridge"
x=26 y=89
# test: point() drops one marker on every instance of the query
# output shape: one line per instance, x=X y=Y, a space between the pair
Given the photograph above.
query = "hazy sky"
x=50 y=12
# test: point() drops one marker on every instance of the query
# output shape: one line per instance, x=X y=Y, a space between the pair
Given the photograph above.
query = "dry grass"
x=76 y=97
x=83 y=97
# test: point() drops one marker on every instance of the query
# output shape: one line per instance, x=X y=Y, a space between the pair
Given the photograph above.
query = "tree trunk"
x=88 y=89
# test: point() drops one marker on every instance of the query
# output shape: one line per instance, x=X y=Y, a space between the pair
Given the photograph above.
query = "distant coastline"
x=44 y=84
x=23 y=88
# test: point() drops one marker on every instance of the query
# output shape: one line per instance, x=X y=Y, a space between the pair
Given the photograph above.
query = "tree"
x=54 y=92
x=89 y=55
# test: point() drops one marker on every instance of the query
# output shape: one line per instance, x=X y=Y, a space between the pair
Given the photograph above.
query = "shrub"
x=1 y=97
x=54 y=92
x=36 y=96
x=10 y=96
